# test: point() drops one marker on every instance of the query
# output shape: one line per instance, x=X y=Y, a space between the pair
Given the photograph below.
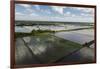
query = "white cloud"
x=33 y=14
x=73 y=15
x=18 y=13
x=84 y=12
x=68 y=13
x=27 y=8
x=87 y=15
x=87 y=10
x=25 y=5
x=46 y=12
x=68 y=16
x=37 y=7
x=58 y=9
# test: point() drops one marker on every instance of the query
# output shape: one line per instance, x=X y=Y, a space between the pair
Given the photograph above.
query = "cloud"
x=58 y=9
x=86 y=9
x=68 y=13
x=82 y=12
x=37 y=7
x=89 y=11
x=73 y=15
x=34 y=12
x=87 y=15
x=25 y=5
x=18 y=13
x=28 y=9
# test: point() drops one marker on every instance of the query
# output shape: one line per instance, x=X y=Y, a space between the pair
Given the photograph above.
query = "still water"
x=28 y=29
x=43 y=49
x=47 y=48
x=78 y=36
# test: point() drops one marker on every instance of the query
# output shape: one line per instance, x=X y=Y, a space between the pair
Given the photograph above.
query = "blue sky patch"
x=53 y=13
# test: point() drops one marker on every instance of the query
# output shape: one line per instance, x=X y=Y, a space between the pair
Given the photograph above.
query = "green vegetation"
x=33 y=33
x=39 y=32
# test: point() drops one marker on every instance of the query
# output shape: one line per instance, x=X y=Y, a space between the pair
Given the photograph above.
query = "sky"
x=53 y=13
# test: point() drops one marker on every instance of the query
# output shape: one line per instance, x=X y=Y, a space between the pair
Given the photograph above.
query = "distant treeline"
x=30 y=23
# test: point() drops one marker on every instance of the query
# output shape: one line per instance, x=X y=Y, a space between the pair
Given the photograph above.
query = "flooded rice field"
x=43 y=49
x=78 y=36
x=28 y=29
x=64 y=46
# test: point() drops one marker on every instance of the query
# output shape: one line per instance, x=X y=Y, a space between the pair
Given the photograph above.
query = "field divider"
x=31 y=52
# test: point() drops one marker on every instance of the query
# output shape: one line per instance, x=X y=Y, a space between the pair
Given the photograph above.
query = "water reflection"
x=28 y=29
x=83 y=55
x=27 y=39
x=48 y=48
x=79 y=36
x=23 y=55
